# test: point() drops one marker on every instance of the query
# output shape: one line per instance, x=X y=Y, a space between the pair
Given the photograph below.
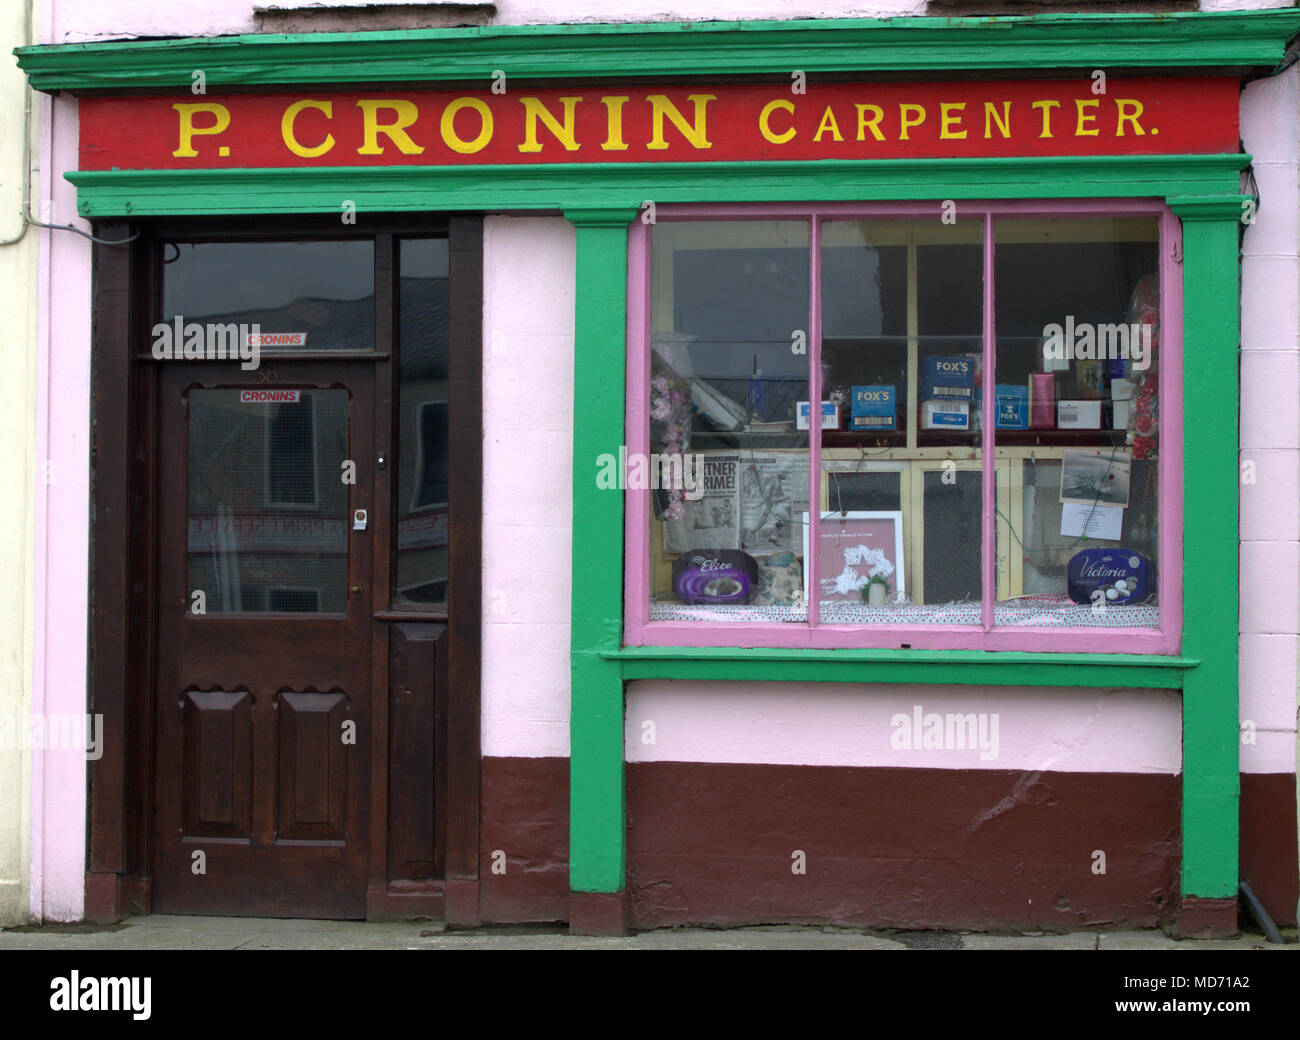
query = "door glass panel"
x=420 y=578
x=268 y=506
x=302 y=296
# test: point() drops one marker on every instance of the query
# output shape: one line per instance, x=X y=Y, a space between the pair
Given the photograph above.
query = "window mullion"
x=988 y=528
x=814 y=419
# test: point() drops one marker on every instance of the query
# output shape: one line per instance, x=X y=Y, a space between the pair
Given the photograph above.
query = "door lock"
x=358 y=520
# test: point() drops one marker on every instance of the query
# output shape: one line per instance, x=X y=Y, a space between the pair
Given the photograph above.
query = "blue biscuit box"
x=1012 y=401
x=947 y=379
x=872 y=408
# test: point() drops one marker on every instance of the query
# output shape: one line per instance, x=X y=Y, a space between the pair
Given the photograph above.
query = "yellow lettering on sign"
x=614 y=110
x=828 y=123
x=286 y=128
x=765 y=127
x=447 y=126
x=906 y=124
x=872 y=124
x=405 y=113
x=695 y=132
x=1003 y=121
x=1082 y=120
x=535 y=111
x=1129 y=111
x=947 y=118
x=1046 y=108
x=188 y=131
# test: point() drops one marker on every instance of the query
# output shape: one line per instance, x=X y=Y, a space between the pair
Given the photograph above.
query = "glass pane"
x=1078 y=344
x=900 y=528
x=301 y=296
x=728 y=470
x=268 y=509
x=422 y=472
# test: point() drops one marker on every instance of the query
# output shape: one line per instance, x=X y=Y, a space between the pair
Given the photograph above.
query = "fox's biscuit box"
x=945 y=415
x=872 y=408
x=947 y=379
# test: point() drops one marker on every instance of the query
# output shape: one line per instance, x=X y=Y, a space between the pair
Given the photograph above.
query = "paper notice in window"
x=773 y=499
x=1092 y=521
x=710 y=521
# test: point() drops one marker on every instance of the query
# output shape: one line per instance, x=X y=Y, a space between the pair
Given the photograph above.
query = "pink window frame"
x=639 y=630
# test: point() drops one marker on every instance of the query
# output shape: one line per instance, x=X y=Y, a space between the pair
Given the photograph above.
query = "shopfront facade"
x=487 y=585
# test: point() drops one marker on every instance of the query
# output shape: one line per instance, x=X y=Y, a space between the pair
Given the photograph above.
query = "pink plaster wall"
x=844 y=724
x=62 y=505
x=528 y=281
x=1270 y=428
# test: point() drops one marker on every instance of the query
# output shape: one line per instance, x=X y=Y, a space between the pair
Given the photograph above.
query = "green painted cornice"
x=1230 y=40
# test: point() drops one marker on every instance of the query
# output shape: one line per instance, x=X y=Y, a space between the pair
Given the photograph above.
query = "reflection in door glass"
x=304 y=296
x=420 y=578
x=268 y=508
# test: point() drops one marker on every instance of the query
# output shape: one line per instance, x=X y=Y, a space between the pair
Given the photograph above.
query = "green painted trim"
x=1227 y=40
x=127 y=193
x=1210 y=623
x=597 y=835
x=925 y=667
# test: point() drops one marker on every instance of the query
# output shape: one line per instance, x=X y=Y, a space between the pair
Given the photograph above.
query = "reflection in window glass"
x=266 y=533
x=420 y=572
x=729 y=465
x=311 y=295
x=1078 y=361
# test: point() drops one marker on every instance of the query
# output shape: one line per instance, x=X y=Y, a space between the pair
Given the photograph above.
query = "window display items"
x=945 y=415
x=873 y=408
x=1078 y=415
x=1013 y=406
x=1144 y=413
x=715 y=576
x=670 y=426
x=1122 y=576
x=947 y=378
x=830 y=416
x=1042 y=401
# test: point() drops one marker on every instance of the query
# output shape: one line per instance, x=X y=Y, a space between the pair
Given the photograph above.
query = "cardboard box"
x=830 y=416
x=1042 y=401
x=949 y=378
x=1078 y=415
x=945 y=415
x=873 y=408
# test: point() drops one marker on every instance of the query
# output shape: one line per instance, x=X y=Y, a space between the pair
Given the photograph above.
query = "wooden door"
x=263 y=690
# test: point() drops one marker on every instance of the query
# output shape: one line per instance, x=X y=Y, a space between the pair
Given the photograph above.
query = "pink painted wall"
x=844 y=724
x=1270 y=428
x=528 y=280
x=58 y=810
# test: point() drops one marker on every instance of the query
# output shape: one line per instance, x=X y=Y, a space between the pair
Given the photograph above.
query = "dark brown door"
x=262 y=701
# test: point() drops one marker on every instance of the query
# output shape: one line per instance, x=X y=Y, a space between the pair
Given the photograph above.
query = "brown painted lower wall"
x=885 y=848
x=900 y=848
x=525 y=806
x=1268 y=842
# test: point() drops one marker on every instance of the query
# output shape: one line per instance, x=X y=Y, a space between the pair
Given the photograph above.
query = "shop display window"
x=1038 y=528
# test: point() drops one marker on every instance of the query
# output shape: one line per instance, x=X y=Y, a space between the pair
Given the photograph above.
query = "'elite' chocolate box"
x=947 y=379
x=873 y=408
x=715 y=576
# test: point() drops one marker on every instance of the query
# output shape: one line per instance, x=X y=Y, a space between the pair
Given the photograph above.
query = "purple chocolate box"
x=715 y=576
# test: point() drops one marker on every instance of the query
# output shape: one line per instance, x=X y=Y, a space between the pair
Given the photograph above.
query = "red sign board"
x=599 y=124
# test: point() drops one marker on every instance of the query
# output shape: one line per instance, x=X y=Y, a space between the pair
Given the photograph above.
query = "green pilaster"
x=596 y=831
x=1211 y=780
